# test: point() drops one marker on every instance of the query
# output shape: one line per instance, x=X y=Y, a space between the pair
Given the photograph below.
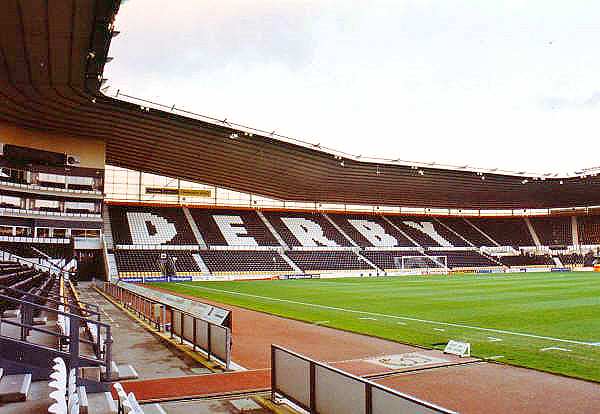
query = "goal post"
x=422 y=262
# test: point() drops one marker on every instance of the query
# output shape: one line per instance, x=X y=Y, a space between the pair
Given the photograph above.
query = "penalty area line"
x=406 y=318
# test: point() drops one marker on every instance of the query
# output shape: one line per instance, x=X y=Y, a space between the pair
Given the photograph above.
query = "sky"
x=507 y=84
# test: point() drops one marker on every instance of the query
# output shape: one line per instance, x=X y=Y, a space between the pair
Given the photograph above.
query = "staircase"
x=339 y=229
x=399 y=230
x=203 y=267
x=194 y=227
x=453 y=232
x=272 y=230
x=482 y=232
x=534 y=235
x=14 y=388
x=367 y=261
x=290 y=262
x=575 y=231
x=111 y=261
x=106 y=228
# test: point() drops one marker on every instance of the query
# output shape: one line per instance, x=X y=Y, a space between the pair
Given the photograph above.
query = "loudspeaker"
x=73 y=160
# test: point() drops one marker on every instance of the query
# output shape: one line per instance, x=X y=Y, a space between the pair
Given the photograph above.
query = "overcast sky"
x=509 y=84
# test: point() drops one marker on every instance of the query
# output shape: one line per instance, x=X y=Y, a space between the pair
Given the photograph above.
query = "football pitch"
x=546 y=321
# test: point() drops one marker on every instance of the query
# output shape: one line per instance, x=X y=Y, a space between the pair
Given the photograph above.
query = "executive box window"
x=92 y=234
x=42 y=232
x=22 y=231
x=78 y=233
x=6 y=231
x=60 y=233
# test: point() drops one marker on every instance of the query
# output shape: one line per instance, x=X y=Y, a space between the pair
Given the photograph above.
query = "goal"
x=433 y=263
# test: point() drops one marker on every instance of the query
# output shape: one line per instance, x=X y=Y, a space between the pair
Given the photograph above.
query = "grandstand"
x=106 y=202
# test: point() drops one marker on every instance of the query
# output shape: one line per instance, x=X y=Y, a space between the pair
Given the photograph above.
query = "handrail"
x=75 y=322
x=58 y=312
x=166 y=316
x=48 y=298
x=47 y=257
x=33 y=328
x=33 y=264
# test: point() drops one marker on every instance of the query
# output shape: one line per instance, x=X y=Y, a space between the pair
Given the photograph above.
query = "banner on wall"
x=182 y=192
x=298 y=276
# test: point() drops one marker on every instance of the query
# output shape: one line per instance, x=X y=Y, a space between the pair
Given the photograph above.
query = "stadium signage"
x=204 y=311
x=462 y=349
x=180 y=278
x=299 y=276
x=155 y=279
x=182 y=192
x=132 y=279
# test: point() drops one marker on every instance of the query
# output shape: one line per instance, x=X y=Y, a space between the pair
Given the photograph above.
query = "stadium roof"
x=51 y=65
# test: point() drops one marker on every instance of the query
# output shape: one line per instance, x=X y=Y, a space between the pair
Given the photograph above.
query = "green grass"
x=562 y=306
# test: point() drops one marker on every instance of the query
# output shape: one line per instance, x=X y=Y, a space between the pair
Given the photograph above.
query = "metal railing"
x=320 y=388
x=81 y=306
x=10 y=257
x=212 y=339
x=68 y=339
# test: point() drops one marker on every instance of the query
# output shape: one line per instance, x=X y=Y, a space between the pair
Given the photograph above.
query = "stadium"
x=155 y=260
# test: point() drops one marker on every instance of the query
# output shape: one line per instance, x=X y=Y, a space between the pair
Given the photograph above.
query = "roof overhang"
x=51 y=65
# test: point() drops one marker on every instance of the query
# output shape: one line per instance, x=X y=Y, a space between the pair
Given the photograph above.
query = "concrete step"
x=37 y=401
x=42 y=320
x=11 y=313
x=90 y=373
x=120 y=372
x=14 y=388
x=84 y=405
x=101 y=403
x=153 y=409
x=126 y=372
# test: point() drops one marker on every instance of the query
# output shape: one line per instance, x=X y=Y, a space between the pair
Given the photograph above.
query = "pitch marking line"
x=367 y=319
x=555 y=348
x=320 y=322
x=494 y=339
x=406 y=318
x=439 y=329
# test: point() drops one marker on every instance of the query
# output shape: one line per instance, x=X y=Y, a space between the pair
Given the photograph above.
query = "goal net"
x=408 y=263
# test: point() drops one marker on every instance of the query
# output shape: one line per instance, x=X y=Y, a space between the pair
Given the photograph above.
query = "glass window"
x=78 y=233
x=60 y=233
x=42 y=232
x=22 y=231
x=92 y=234
x=6 y=231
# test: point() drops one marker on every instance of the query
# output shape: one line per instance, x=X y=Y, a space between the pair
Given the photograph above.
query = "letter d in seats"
x=139 y=228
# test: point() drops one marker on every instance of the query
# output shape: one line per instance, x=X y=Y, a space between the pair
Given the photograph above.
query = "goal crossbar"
x=422 y=262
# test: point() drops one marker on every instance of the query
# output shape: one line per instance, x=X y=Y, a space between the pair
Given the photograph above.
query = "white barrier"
x=320 y=388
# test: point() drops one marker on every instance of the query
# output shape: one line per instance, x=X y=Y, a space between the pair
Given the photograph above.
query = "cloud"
x=479 y=83
x=560 y=103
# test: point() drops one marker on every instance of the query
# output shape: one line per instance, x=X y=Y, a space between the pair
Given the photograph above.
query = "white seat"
x=135 y=406
x=124 y=404
x=72 y=403
x=74 y=409
x=59 y=381
x=59 y=363
x=72 y=386
x=73 y=397
x=59 y=407
x=59 y=384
